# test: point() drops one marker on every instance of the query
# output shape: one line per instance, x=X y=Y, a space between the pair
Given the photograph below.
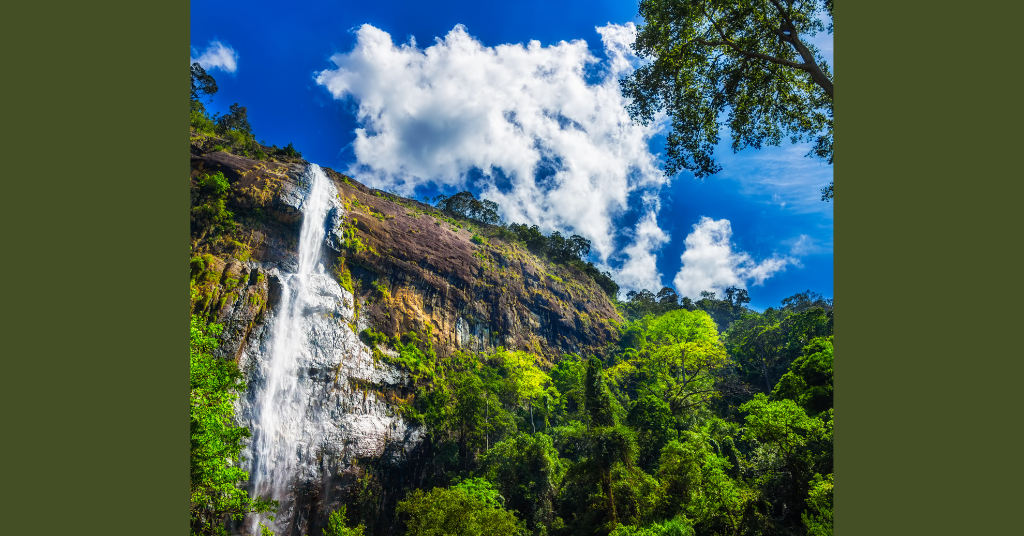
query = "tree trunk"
x=531 y=417
x=764 y=369
x=606 y=483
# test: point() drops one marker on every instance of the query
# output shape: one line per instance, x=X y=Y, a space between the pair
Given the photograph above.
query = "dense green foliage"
x=704 y=417
x=461 y=510
x=681 y=429
x=750 y=60
x=209 y=215
x=336 y=525
x=215 y=441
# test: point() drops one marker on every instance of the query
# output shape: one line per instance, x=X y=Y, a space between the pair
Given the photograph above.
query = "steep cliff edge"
x=390 y=265
x=410 y=267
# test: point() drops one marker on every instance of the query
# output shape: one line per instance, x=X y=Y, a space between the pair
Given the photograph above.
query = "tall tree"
x=202 y=83
x=752 y=58
x=527 y=471
x=237 y=118
x=216 y=442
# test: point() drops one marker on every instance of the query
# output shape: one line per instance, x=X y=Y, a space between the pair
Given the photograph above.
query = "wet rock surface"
x=411 y=268
x=338 y=413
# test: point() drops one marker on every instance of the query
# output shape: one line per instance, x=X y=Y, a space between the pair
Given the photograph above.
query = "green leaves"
x=466 y=205
x=780 y=425
x=336 y=525
x=809 y=379
x=673 y=464
x=675 y=357
x=696 y=482
x=215 y=440
x=457 y=511
x=748 y=60
x=818 y=518
x=202 y=83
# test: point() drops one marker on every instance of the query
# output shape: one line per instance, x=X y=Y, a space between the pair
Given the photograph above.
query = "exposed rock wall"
x=410 y=267
x=422 y=268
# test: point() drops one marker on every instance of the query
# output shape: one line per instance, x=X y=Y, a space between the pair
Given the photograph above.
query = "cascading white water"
x=282 y=401
x=307 y=420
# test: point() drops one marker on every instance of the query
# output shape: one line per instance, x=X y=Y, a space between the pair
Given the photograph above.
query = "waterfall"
x=307 y=421
x=282 y=401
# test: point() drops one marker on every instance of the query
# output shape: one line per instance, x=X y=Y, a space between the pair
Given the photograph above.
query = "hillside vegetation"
x=550 y=407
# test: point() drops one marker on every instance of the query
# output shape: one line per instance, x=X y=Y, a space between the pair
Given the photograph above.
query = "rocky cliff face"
x=390 y=264
x=411 y=267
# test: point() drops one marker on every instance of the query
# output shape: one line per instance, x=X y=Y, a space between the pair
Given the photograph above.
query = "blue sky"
x=341 y=81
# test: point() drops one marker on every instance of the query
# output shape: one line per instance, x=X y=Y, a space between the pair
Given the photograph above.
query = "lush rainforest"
x=712 y=419
x=706 y=418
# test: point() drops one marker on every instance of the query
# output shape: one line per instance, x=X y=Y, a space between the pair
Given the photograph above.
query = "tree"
x=527 y=470
x=809 y=379
x=644 y=302
x=202 y=83
x=216 y=442
x=724 y=312
x=525 y=381
x=336 y=525
x=788 y=448
x=466 y=205
x=818 y=518
x=237 y=118
x=751 y=58
x=467 y=509
x=674 y=357
x=209 y=215
x=696 y=483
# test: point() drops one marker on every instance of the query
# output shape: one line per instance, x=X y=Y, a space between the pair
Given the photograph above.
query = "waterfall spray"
x=282 y=401
x=308 y=423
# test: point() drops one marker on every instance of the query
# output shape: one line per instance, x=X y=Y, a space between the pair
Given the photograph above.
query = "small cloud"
x=217 y=56
x=709 y=262
x=804 y=245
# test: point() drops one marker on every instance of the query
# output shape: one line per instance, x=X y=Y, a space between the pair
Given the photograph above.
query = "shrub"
x=287 y=150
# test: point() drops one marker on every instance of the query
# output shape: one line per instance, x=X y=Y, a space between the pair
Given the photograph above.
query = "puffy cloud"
x=217 y=56
x=640 y=270
x=709 y=262
x=544 y=127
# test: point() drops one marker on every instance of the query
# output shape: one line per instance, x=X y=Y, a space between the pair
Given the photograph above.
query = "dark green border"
x=94 y=263
x=926 y=279
x=96 y=239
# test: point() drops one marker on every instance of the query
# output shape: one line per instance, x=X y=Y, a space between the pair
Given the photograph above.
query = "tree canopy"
x=216 y=442
x=679 y=429
x=468 y=509
x=466 y=205
x=202 y=83
x=751 y=59
x=237 y=118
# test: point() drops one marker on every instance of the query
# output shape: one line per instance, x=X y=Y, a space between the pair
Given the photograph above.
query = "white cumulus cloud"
x=545 y=127
x=640 y=270
x=217 y=56
x=709 y=262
